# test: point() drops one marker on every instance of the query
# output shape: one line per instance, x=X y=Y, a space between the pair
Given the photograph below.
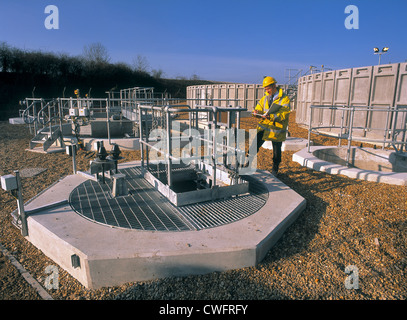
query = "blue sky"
x=222 y=40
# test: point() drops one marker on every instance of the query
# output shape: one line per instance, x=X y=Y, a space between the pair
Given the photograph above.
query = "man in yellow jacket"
x=274 y=111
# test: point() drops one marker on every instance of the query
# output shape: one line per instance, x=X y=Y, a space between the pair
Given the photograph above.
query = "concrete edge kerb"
x=112 y=256
x=307 y=159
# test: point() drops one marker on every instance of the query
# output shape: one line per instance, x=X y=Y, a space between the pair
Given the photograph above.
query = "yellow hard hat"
x=267 y=81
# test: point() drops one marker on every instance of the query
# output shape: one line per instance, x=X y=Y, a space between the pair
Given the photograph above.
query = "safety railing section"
x=30 y=113
x=161 y=131
x=123 y=105
x=375 y=125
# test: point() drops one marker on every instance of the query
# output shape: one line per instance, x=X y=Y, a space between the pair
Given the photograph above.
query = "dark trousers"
x=276 y=147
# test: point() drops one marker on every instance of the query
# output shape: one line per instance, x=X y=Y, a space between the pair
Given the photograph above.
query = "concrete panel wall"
x=376 y=87
x=308 y=95
x=328 y=88
x=316 y=98
x=401 y=99
x=360 y=96
x=241 y=94
x=383 y=91
x=341 y=97
x=231 y=94
x=301 y=98
x=327 y=94
x=215 y=92
x=247 y=95
x=401 y=95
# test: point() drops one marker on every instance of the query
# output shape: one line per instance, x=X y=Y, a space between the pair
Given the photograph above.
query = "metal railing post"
x=352 y=115
x=141 y=136
x=309 y=129
x=386 y=129
x=169 y=147
x=341 y=132
x=214 y=145
x=20 y=203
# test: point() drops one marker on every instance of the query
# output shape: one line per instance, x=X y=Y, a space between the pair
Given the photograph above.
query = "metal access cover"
x=146 y=209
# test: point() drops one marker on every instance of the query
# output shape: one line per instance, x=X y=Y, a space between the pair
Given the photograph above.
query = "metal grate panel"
x=146 y=209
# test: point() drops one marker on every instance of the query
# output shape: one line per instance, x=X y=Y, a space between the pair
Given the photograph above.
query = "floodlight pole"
x=384 y=50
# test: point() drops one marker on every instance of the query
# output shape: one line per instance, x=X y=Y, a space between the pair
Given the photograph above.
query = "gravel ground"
x=346 y=223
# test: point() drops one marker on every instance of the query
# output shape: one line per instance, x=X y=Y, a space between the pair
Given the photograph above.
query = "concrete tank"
x=365 y=158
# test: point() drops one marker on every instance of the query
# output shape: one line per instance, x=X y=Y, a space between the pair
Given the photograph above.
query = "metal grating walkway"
x=146 y=209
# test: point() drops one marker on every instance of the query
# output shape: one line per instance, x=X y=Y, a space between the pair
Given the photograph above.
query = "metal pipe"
x=214 y=145
x=309 y=129
x=108 y=118
x=169 y=149
x=141 y=136
x=341 y=132
x=386 y=128
x=20 y=204
x=74 y=158
x=50 y=121
x=352 y=115
x=404 y=136
x=60 y=114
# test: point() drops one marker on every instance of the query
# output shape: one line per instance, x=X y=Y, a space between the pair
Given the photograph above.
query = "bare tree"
x=141 y=64
x=158 y=74
x=96 y=53
x=5 y=56
x=195 y=77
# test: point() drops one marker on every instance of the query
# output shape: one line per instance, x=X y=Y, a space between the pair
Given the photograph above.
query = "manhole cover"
x=31 y=172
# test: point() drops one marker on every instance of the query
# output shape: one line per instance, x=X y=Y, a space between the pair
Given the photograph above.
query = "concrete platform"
x=123 y=143
x=291 y=144
x=53 y=149
x=110 y=256
x=18 y=120
x=310 y=160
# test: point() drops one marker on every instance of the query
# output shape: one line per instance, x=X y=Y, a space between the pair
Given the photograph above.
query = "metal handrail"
x=389 y=131
x=29 y=119
x=167 y=110
x=41 y=116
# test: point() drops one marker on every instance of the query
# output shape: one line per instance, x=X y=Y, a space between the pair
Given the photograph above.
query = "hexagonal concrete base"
x=109 y=256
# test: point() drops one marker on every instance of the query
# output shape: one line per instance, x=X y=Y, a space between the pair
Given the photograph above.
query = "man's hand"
x=256 y=113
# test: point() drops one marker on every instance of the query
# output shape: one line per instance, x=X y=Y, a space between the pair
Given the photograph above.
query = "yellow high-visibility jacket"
x=275 y=126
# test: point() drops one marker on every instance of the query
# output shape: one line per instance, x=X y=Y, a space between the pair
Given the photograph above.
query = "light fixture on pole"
x=377 y=51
